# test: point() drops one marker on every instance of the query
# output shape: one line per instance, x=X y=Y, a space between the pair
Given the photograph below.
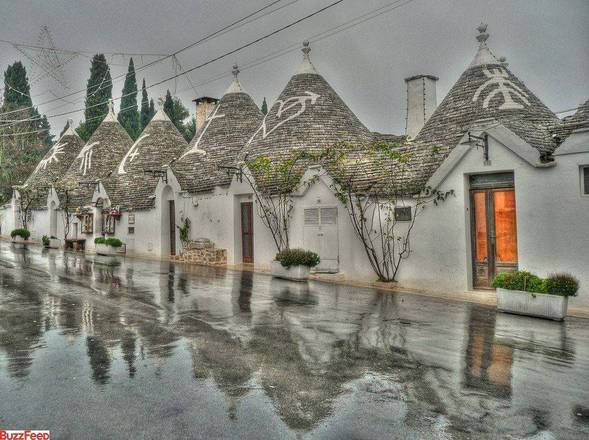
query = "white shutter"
x=329 y=216
x=311 y=216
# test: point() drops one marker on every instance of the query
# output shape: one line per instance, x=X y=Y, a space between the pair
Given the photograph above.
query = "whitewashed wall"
x=552 y=227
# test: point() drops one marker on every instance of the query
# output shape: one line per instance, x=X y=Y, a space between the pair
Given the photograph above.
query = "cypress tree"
x=23 y=143
x=128 y=114
x=98 y=93
x=151 y=109
x=16 y=88
x=145 y=109
x=264 y=107
x=169 y=106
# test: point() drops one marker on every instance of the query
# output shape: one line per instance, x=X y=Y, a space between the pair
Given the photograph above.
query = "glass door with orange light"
x=494 y=227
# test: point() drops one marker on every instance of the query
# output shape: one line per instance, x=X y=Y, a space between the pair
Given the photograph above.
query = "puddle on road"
x=92 y=348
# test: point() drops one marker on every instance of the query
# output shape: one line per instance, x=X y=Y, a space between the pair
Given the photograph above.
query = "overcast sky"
x=546 y=43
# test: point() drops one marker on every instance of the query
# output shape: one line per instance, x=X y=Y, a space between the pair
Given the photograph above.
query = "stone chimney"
x=204 y=106
x=421 y=102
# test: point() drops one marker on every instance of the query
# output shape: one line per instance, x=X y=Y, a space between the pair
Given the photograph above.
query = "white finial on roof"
x=307 y=66
x=110 y=116
x=235 y=86
x=484 y=55
x=70 y=128
x=160 y=115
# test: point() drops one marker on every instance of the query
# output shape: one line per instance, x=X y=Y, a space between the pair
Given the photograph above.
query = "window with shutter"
x=328 y=216
x=312 y=216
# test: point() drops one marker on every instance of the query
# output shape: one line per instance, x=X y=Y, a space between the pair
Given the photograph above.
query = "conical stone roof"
x=129 y=187
x=486 y=90
x=99 y=157
x=54 y=164
x=308 y=115
x=227 y=129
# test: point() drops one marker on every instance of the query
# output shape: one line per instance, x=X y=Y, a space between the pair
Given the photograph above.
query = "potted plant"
x=51 y=242
x=294 y=264
x=20 y=235
x=526 y=294
x=109 y=246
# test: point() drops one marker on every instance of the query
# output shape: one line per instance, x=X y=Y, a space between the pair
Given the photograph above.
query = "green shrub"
x=113 y=242
x=519 y=280
x=45 y=240
x=20 y=232
x=99 y=240
x=562 y=284
x=297 y=257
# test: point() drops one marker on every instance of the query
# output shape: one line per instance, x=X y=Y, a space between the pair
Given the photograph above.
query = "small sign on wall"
x=403 y=213
x=131 y=219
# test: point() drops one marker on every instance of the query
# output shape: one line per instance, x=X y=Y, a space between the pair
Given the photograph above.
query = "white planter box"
x=104 y=249
x=293 y=273
x=532 y=304
x=19 y=241
x=54 y=243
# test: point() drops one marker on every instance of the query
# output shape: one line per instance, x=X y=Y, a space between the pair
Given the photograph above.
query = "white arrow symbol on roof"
x=285 y=106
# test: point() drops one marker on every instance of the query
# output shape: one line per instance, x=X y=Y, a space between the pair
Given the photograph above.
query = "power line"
x=206 y=63
x=241 y=22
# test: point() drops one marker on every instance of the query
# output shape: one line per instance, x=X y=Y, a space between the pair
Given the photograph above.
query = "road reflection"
x=307 y=348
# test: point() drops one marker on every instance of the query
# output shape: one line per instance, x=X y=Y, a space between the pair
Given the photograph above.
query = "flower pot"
x=104 y=249
x=532 y=304
x=54 y=243
x=293 y=273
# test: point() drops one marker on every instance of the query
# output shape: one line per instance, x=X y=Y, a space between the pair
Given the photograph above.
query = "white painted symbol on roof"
x=86 y=156
x=131 y=154
x=210 y=119
x=287 y=105
x=505 y=87
x=55 y=150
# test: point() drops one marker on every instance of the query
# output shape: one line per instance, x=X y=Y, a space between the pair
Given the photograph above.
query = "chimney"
x=204 y=106
x=421 y=102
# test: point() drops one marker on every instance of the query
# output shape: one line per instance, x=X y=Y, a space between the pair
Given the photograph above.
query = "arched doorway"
x=168 y=222
x=53 y=219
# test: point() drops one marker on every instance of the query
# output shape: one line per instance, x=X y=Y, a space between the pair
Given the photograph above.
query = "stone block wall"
x=202 y=251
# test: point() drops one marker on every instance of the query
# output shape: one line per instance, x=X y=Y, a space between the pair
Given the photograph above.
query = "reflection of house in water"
x=488 y=362
x=21 y=327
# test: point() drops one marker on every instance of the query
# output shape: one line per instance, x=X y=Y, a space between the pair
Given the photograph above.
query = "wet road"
x=94 y=347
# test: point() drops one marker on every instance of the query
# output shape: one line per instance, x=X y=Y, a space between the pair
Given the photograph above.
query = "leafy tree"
x=264 y=106
x=128 y=114
x=98 y=93
x=145 y=108
x=177 y=113
x=373 y=205
x=24 y=134
x=273 y=183
x=190 y=129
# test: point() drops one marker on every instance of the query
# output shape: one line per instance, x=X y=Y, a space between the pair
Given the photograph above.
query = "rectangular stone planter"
x=532 y=304
x=19 y=243
x=54 y=243
x=104 y=249
x=293 y=273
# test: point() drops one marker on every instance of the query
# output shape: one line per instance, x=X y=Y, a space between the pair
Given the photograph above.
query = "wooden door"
x=247 y=232
x=172 y=210
x=494 y=234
